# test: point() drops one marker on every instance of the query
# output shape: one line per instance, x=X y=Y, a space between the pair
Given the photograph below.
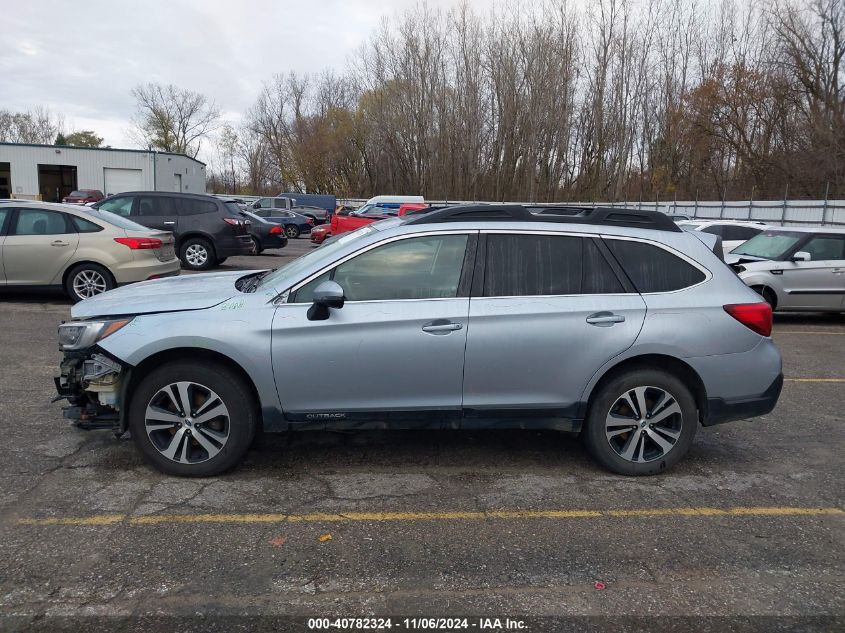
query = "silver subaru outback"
x=611 y=323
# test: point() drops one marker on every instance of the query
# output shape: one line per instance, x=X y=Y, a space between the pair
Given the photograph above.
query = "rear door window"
x=155 y=206
x=537 y=265
x=740 y=233
x=654 y=269
x=716 y=229
x=195 y=206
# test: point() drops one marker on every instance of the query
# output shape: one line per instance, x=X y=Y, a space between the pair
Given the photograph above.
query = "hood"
x=171 y=294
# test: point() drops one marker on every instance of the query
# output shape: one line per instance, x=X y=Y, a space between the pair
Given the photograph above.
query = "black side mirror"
x=256 y=205
x=327 y=295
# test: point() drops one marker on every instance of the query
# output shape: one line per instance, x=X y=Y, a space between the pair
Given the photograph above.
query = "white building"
x=50 y=172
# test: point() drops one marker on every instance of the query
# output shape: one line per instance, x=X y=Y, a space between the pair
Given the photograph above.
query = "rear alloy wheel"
x=192 y=420
x=88 y=280
x=641 y=423
x=255 y=247
x=292 y=231
x=197 y=254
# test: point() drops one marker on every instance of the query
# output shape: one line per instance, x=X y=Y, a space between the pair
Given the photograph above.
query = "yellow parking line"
x=814 y=379
x=348 y=517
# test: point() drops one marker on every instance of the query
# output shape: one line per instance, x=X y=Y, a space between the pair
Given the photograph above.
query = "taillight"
x=139 y=243
x=754 y=316
x=231 y=221
x=276 y=230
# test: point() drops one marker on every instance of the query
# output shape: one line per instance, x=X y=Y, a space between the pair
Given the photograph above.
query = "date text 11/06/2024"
x=429 y=624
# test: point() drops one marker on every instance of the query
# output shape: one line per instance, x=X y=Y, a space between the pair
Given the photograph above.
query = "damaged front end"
x=92 y=381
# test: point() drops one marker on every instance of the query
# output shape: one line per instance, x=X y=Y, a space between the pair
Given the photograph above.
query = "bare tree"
x=38 y=126
x=173 y=119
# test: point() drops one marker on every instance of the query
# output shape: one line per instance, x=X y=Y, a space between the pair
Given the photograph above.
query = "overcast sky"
x=81 y=59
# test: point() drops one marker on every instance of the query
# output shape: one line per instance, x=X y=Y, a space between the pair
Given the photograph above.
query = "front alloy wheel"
x=194 y=417
x=187 y=422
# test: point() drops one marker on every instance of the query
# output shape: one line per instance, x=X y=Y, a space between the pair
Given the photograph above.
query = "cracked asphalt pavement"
x=412 y=516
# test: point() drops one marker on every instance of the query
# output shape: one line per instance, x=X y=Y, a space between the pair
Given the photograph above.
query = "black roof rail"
x=604 y=216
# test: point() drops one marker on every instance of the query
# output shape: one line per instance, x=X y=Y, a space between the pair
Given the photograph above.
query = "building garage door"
x=120 y=180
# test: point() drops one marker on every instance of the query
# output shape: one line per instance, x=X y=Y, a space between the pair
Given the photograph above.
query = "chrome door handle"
x=169 y=223
x=605 y=319
x=441 y=326
x=59 y=243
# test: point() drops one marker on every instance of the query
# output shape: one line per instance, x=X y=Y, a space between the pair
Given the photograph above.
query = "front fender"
x=241 y=334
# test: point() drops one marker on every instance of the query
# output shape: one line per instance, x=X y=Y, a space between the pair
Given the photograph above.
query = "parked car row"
x=207 y=230
x=733 y=232
x=377 y=208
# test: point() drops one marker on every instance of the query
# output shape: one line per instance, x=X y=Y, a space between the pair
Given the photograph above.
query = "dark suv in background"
x=207 y=230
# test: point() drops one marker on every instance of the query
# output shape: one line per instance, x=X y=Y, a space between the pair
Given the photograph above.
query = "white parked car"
x=732 y=232
x=795 y=268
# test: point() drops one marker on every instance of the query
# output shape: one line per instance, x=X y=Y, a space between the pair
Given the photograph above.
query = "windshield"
x=374 y=209
x=768 y=245
x=78 y=194
x=292 y=269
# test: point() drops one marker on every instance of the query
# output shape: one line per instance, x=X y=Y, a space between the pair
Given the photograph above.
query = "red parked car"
x=371 y=213
x=320 y=234
x=83 y=196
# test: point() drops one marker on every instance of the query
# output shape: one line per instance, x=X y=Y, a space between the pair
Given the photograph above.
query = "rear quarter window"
x=654 y=269
x=84 y=226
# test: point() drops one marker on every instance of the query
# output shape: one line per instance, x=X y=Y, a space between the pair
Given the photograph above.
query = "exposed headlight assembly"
x=78 y=335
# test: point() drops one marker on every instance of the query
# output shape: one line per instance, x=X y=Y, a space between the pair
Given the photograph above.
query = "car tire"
x=88 y=280
x=256 y=246
x=641 y=446
x=292 y=231
x=769 y=296
x=214 y=447
x=197 y=253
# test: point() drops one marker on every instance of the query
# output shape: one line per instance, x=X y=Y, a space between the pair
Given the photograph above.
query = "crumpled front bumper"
x=94 y=384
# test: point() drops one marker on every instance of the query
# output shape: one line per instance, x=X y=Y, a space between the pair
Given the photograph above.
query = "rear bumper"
x=143 y=269
x=720 y=410
x=273 y=241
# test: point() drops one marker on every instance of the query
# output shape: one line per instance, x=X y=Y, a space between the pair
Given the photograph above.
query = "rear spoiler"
x=713 y=242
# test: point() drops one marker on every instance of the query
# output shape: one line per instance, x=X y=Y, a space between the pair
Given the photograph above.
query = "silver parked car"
x=799 y=269
x=78 y=249
x=612 y=323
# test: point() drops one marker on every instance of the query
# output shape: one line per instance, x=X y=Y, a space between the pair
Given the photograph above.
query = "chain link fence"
x=780 y=212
